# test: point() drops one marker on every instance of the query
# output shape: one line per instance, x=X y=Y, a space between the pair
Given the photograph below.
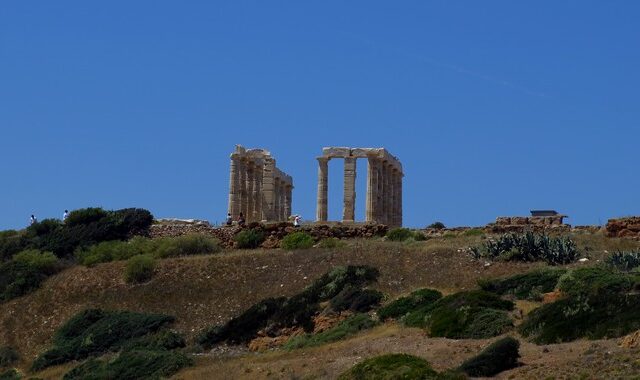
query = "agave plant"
x=529 y=247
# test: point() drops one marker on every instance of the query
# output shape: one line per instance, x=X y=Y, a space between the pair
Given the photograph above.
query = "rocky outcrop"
x=624 y=227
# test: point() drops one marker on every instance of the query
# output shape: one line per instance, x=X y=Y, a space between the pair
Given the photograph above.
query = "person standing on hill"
x=229 y=219
x=33 y=220
x=65 y=215
x=241 y=220
x=296 y=220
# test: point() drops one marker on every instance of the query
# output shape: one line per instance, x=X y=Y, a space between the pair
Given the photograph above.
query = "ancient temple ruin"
x=257 y=188
x=384 y=185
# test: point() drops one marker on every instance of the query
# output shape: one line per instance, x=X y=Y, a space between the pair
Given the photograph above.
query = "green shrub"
x=399 y=234
x=297 y=240
x=298 y=310
x=8 y=356
x=85 y=216
x=529 y=247
x=499 y=356
x=11 y=242
x=162 y=340
x=331 y=243
x=396 y=366
x=355 y=299
x=10 y=374
x=242 y=328
x=463 y=315
x=527 y=286
x=348 y=327
x=599 y=303
x=43 y=227
x=94 y=332
x=135 y=364
x=624 y=261
x=403 y=305
x=25 y=272
x=597 y=280
x=437 y=226
x=194 y=244
x=139 y=269
x=132 y=221
x=249 y=239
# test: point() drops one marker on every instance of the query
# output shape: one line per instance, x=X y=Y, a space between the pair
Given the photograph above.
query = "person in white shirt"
x=296 y=220
x=33 y=219
x=65 y=215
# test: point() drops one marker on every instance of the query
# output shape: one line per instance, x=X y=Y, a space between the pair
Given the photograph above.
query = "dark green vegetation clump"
x=499 y=356
x=8 y=356
x=599 y=303
x=396 y=366
x=437 y=226
x=25 y=272
x=464 y=315
x=403 y=234
x=529 y=247
x=10 y=374
x=139 y=269
x=94 y=332
x=403 y=305
x=249 y=239
x=195 y=244
x=624 y=261
x=526 y=286
x=273 y=314
x=356 y=299
x=132 y=365
x=346 y=328
x=297 y=240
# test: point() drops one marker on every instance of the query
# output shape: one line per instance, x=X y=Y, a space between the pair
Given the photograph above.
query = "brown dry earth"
x=202 y=291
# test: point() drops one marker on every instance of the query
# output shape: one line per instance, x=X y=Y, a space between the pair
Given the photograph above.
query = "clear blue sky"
x=494 y=107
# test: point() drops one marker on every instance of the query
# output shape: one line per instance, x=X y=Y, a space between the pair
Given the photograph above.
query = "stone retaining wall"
x=274 y=232
x=624 y=227
x=527 y=223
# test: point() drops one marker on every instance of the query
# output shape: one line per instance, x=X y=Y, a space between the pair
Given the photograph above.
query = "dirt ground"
x=202 y=291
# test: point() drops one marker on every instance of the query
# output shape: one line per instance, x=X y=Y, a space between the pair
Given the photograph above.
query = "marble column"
x=348 y=212
x=250 y=192
x=243 y=188
x=268 y=190
x=398 y=188
x=234 y=188
x=323 y=190
x=379 y=191
x=372 y=187
x=257 y=193
x=387 y=193
x=276 y=199
x=288 y=196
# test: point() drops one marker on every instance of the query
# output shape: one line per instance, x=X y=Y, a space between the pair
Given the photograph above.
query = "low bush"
x=473 y=232
x=10 y=374
x=25 y=272
x=273 y=314
x=331 y=243
x=624 y=261
x=396 y=366
x=194 y=244
x=162 y=340
x=297 y=240
x=437 y=226
x=8 y=356
x=597 y=280
x=134 y=364
x=497 y=357
x=249 y=239
x=242 y=328
x=85 y=216
x=403 y=305
x=463 y=315
x=526 y=286
x=599 y=303
x=346 y=328
x=529 y=247
x=139 y=269
x=95 y=332
x=356 y=299
x=399 y=234
x=11 y=242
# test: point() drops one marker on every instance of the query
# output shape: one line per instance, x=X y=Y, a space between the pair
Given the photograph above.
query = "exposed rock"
x=624 y=227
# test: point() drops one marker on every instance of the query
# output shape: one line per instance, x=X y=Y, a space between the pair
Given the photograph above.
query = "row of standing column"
x=384 y=191
x=257 y=196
